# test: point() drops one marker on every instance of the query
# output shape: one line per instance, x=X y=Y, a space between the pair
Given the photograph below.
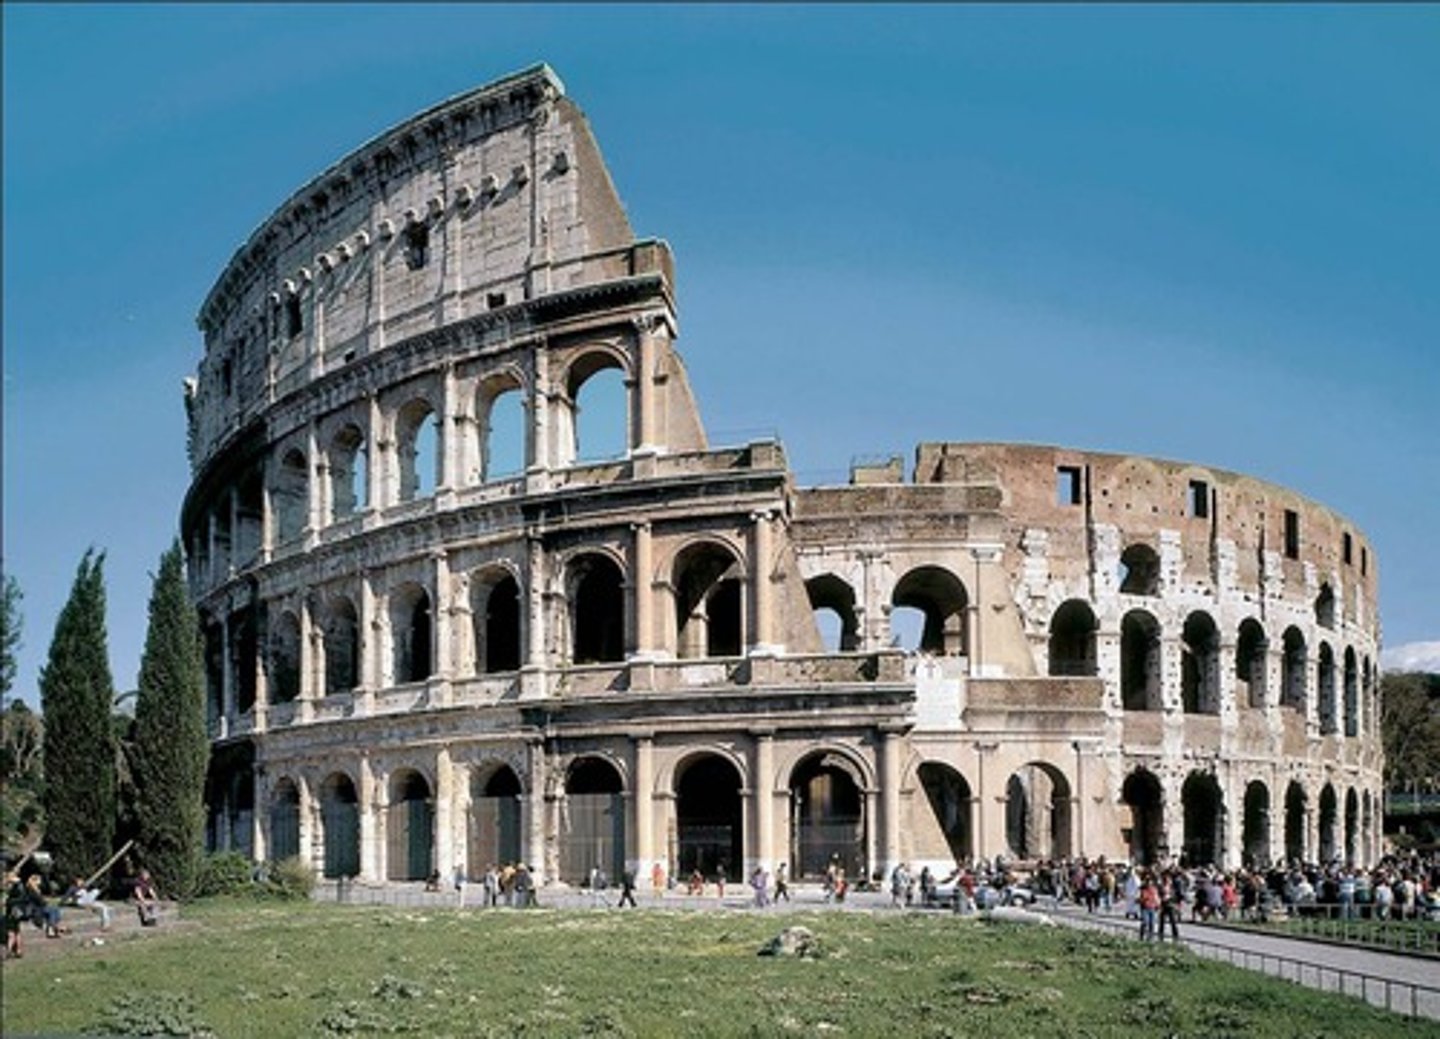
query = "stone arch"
x=832 y=597
x=1139 y=570
x=494 y=823
x=1352 y=827
x=1143 y=794
x=1325 y=607
x=592 y=819
x=1072 y=639
x=1140 y=675
x=1251 y=648
x=709 y=817
x=417 y=448
x=1203 y=805
x=1352 y=693
x=1037 y=812
x=948 y=796
x=495 y=611
x=340 y=821
x=708 y=578
x=1296 y=809
x=1255 y=829
x=348 y=461
x=409 y=826
x=290 y=496
x=827 y=815
x=412 y=631
x=283 y=658
x=595 y=438
x=284 y=820
x=1294 y=661
x=341 y=642
x=501 y=425
x=1200 y=665
x=942 y=599
x=1325 y=679
x=1329 y=825
x=595 y=592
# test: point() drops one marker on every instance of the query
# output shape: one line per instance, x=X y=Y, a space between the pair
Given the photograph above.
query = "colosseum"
x=440 y=630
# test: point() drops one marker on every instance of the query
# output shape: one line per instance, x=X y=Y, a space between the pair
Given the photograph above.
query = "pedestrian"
x=1170 y=899
x=759 y=884
x=720 y=881
x=16 y=913
x=627 y=889
x=492 y=886
x=458 y=876
x=1148 y=906
x=599 y=882
x=782 y=886
x=657 y=878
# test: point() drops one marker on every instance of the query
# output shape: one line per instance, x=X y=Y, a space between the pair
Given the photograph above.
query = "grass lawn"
x=316 y=970
x=1412 y=935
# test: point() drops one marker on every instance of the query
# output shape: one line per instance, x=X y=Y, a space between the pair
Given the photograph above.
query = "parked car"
x=989 y=892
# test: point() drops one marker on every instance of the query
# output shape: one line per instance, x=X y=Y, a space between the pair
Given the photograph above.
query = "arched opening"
x=1371 y=704
x=284 y=658
x=1255 y=836
x=1140 y=662
x=1037 y=812
x=1325 y=678
x=1325 y=607
x=597 y=610
x=1250 y=650
x=592 y=821
x=941 y=598
x=827 y=819
x=290 y=496
x=1352 y=693
x=249 y=519
x=494 y=819
x=495 y=613
x=1139 y=571
x=411 y=628
x=409 y=827
x=599 y=408
x=1352 y=827
x=348 y=464
x=1144 y=836
x=340 y=817
x=1329 y=825
x=417 y=435
x=1204 y=808
x=502 y=424
x=342 y=646
x=1292 y=670
x=1295 y=810
x=284 y=821
x=948 y=795
x=214 y=672
x=1367 y=828
x=709 y=827
x=707 y=602
x=243 y=653
x=833 y=602
x=1072 y=639
x=1200 y=665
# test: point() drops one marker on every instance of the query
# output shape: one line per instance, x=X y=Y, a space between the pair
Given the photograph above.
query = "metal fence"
x=1408 y=937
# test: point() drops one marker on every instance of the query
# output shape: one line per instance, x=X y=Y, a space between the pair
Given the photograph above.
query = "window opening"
x=294 y=324
x=1346 y=547
x=1067 y=485
x=1292 y=534
x=1198 y=504
x=417 y=246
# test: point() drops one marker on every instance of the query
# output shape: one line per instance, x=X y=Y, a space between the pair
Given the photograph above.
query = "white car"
x=987 y=894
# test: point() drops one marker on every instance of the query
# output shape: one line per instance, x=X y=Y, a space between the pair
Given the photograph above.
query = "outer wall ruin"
x=438 y=630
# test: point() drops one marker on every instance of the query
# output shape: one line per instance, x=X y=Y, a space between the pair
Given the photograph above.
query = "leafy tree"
x=21 y=815
x=171 y=746
x=1410 y=728
x=79 y=750
x=10 y=624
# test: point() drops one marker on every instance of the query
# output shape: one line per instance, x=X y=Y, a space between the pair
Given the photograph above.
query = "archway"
x=1072 y=639
x=1295 y=809
x=827 y=820
x=1143 y=795
x=592 y=821
x=283 y=660
x=340 y=817
x=411 y=627
x=1139 y=571
x=1352 y=693
x=494 y=819
x=598 y=408
x=1255 y=834
x=1250 y=649
x=1140 y=662
x=941 y=598
x=1204 y=808
x=1292 y=670
x=1329 y=820
x=348 y=464
x=495 y=614
x=342 y=647
x=409 y=826
x=417 y=450
x=706 y=579
x=709 y=827
x=290 y=496
x=1352 y=827
x=833 y=602
x=597 y=615
x=1325 y=678
x=1037 y=812
x=284 y=821
x=948 y=795
x=1200 y=665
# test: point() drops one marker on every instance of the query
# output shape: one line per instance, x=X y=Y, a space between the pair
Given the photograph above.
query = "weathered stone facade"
x=416 y=660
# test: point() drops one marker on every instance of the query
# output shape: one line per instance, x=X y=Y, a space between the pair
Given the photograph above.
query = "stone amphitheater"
x=440 y=631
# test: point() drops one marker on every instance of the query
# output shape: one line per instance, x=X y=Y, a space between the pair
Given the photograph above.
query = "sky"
x=1210 y=234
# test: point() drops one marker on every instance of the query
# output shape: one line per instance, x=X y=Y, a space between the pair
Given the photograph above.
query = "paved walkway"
x=1405 y=984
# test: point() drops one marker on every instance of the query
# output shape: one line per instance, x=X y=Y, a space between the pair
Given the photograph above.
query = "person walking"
x=782 y=886
x=1148 y=903
x=1171 y=896
x=627 y=889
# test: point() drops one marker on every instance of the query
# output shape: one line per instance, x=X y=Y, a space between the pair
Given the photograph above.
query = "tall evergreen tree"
x=171 y=746
x=79 y=752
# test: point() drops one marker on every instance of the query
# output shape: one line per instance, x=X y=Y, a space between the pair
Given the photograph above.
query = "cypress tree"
x=79 y=752
x=171 y=747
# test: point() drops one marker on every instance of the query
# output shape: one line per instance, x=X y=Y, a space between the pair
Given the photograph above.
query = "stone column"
x=372 y=834
x=645 y=438
x=762 y=635
x=444 y=819
x=871 y=803
x=311 y=659
x=315 y=486
x=644 y=829
x=534 y=809
x=981 y=838
x=227 y=675
x=541 y=452
x=532 y=674
x=642 y=580
x=450 y=433
x=443 y=634
x=890 y=752
x=376 y=443
x=762 y=782
x=260 y=819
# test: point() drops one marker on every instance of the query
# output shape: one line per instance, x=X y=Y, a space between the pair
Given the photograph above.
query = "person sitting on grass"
x=42 y=912
x=77 y=894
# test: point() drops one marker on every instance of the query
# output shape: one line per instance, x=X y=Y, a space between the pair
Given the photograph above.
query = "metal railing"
x=1330 y=924
x=1402 y=997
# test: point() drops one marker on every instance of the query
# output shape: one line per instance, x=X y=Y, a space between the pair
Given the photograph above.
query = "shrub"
x=291 y=878
x=225 y=873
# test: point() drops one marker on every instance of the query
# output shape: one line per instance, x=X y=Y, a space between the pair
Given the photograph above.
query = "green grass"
x=312 y=970
x=1413 y=935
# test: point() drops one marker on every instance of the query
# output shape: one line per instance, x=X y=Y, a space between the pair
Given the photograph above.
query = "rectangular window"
x=1364 y=560
x=1198 y=501
x=1292 y=534
x=495 y=300
x=227 y=376
x=1345 y=547
x=1067 y=485
x=417 y=246
x=293 y=323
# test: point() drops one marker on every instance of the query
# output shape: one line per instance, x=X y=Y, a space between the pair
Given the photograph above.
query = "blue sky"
x=1201 y=233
